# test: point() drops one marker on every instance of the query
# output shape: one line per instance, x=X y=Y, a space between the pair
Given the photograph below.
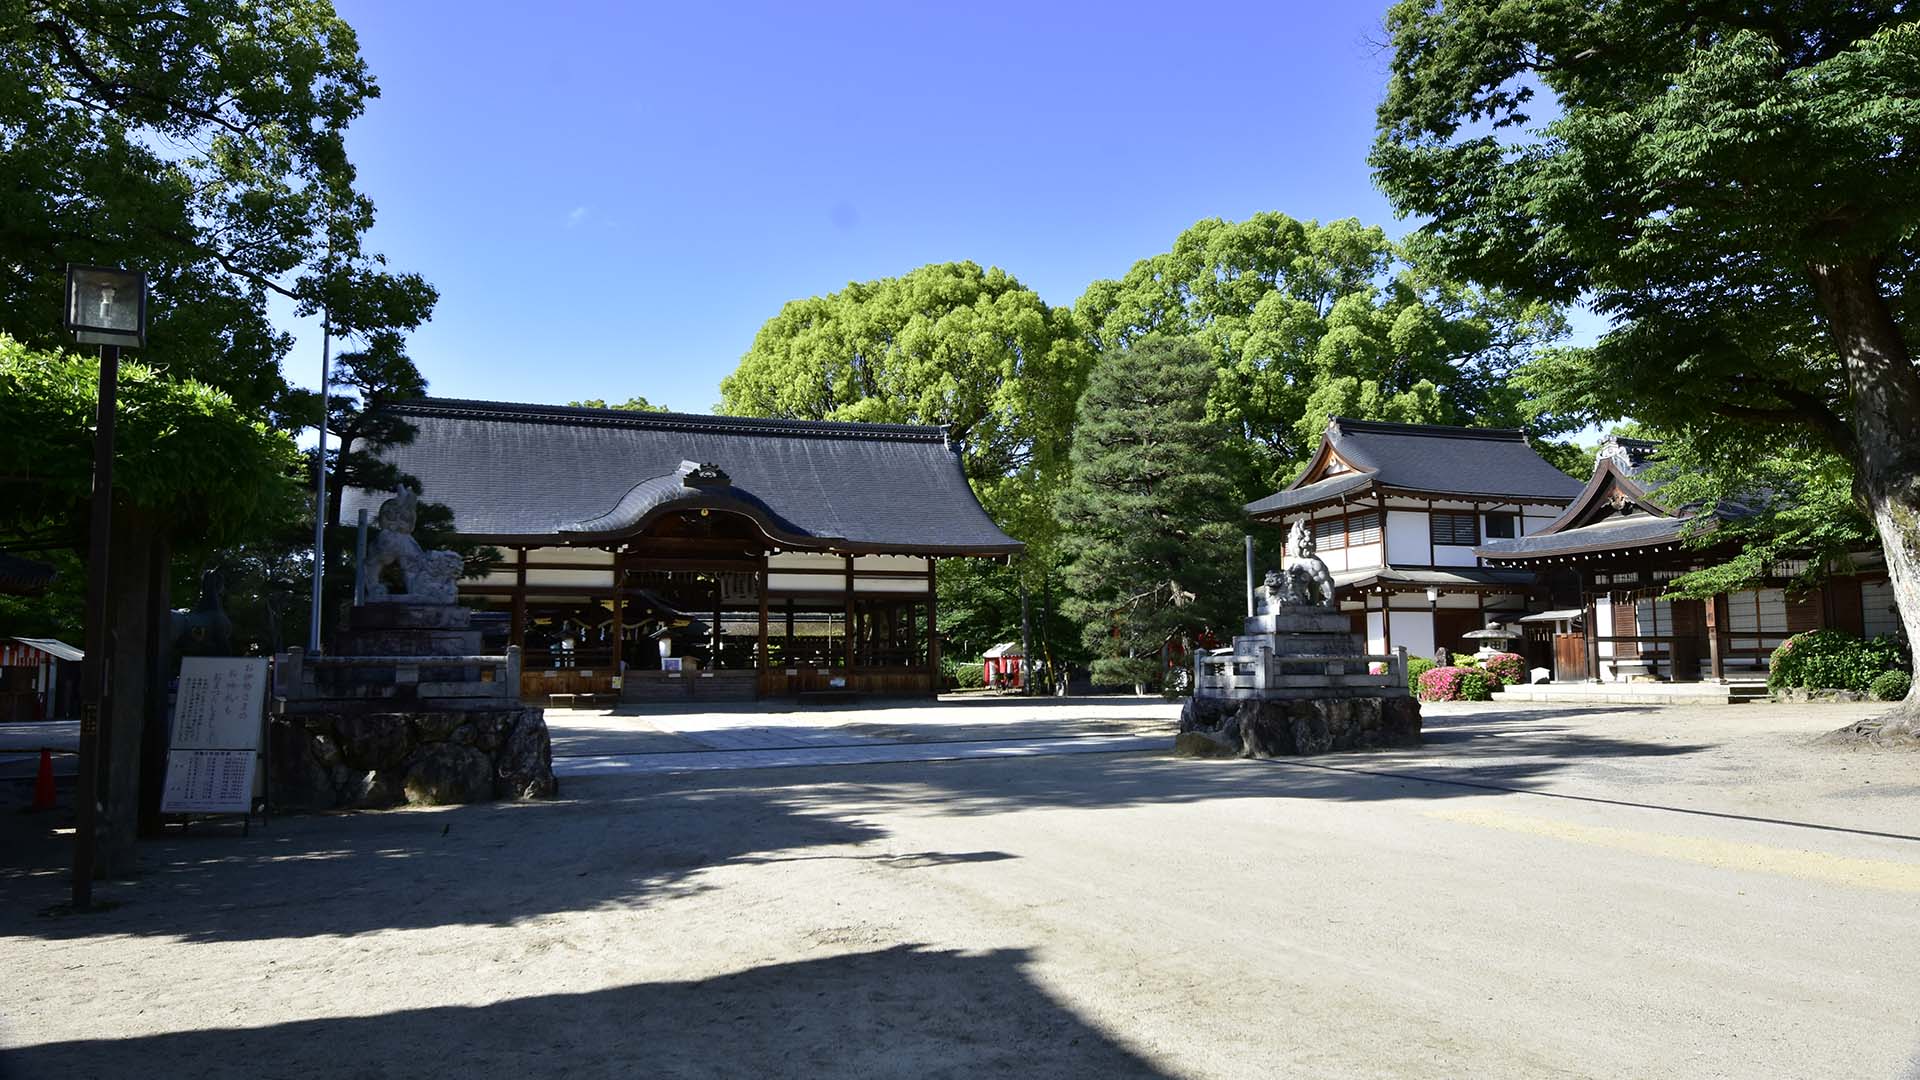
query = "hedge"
x=1832 y=660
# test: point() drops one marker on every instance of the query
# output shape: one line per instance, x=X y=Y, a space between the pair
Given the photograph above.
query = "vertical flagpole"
x=320 y=487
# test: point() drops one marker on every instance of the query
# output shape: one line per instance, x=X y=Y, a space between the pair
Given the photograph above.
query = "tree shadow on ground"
x=897 y=1012
x=493 y=864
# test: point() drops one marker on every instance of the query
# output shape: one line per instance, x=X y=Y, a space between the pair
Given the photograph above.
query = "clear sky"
x=613 y=197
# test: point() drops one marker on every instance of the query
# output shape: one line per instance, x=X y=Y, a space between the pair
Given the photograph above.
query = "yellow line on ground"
x=1721 y=854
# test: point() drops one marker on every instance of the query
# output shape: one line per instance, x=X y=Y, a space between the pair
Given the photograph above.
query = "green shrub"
x=1416 y=667
x=1832 y=660
x=1477 y=686
x=1890 y=686
x=967 y=674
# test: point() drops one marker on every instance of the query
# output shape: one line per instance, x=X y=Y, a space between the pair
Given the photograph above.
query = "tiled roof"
x=1635 y=531
x=23 y=575
x=515 y=471
x=1471 y=463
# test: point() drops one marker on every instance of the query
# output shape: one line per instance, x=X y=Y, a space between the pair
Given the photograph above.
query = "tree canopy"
x=203 y=142
x=184 y=451
x=1736 y=187
x=1150 y=524
x=1308 y=321
x=635 y=403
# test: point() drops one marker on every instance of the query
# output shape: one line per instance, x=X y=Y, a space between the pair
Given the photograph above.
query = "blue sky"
x=612 y=198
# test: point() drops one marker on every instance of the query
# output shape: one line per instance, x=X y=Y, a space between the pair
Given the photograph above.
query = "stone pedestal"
x=1258 y=728
x=404 y=710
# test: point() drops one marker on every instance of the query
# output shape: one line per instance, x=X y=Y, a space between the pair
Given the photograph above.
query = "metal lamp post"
x=1433 y=615
x=106 y=306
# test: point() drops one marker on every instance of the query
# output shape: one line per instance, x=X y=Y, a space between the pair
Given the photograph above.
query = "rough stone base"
x=332 y=760
x=1290 y=728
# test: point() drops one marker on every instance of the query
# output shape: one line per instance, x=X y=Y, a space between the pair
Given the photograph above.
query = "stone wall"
x=353 y=758
x=1296 y=726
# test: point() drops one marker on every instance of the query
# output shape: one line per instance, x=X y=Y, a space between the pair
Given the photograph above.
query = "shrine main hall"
x=658 y=556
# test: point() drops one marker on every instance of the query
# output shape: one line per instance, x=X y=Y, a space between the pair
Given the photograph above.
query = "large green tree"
x=1736 y=186
x=1308 y=321
x=202 y=141
x=951 y=344
x=1150 y=522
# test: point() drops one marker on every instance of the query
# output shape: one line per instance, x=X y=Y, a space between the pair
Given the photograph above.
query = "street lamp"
x=106 y=306
x=1433 y=616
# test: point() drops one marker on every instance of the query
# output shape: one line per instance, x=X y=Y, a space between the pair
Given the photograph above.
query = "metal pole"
x=95 y=739
x=320 y=488
x=1250 y=611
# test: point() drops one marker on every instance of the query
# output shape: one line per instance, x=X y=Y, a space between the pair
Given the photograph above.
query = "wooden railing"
x=1219 y=673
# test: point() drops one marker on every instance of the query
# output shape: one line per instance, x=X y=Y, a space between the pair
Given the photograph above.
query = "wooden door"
x=1570 y=658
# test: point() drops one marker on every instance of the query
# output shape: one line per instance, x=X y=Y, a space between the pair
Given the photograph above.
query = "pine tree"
x=1150 y=522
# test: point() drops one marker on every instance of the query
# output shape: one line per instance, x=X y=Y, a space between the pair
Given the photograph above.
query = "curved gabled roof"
x=1422 y=459
x=1615 y=511
x=543 y=473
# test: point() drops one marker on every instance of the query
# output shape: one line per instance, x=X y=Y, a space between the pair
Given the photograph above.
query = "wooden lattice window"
x=1363 y=528
x=1330 y=533
x=1456 y=529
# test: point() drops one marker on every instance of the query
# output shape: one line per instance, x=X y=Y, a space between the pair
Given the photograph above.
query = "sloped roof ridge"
x=1347 y=426
x=517 y=412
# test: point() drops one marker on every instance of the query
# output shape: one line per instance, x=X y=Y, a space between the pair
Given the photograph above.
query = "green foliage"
x=966 y=674
x=202 y=141
x=1732 y=186
x=1832 y=660
x=1782 y=496
x=1477 y=686
x=1890 y=686
x=183 y=451
x=1149 y=524
x=635 y=403
x=1308 y=321
x=1416 y=667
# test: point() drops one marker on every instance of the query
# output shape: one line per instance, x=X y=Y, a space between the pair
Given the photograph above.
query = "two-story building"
x=1397 y=511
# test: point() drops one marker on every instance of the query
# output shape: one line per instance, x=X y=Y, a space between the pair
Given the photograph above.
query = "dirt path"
x=1554 y=893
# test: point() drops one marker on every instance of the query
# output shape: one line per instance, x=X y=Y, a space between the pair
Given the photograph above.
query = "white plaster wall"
x=1450 y=555
x=1376 y=634
x=1413 y=628
x=1406 y=538
x=1362 y=556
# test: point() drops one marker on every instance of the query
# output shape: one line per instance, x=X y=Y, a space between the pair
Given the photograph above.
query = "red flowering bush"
x=1456 y=684
x=1509 y=668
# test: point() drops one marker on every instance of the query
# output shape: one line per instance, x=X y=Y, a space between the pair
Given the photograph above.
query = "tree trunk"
x=1885 y=389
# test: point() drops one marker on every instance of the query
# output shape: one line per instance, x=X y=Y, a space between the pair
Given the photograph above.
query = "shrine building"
x=657 y=556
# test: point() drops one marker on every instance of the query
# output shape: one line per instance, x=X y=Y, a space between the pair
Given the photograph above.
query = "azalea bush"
x=1833 y=660
x=1509 y=668
x=1891 y=686
x=1456 y=684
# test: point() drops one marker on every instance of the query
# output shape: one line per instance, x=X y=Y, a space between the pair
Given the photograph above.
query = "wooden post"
x=518 y=633
x=852 y=631
x=1717 y=663
x=792 y=657
x=933 y=627
x=765 y=660
x=619 y=621
x=1593 y=635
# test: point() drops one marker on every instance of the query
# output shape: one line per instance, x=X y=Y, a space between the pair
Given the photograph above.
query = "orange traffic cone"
x=43 y=783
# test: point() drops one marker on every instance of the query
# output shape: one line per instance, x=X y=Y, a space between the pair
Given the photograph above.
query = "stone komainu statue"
x=431 y=577
x=1308 y=581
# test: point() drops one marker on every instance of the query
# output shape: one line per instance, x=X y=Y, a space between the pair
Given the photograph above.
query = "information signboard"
x=213 y=754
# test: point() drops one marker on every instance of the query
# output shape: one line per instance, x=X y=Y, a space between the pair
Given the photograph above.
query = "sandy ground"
x=1541 y=892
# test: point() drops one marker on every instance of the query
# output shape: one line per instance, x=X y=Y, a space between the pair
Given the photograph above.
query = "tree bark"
x=1885 y=389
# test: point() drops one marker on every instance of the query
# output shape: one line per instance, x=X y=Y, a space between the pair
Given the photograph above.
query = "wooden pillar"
x=1717 y=662
x=518 y=634
x=1593 y=638
x=852 y=633
x=933 y=628
x=619 y=621
x=764 y=658
x=1386 y=620
x=792 y=658
x=719 y=598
